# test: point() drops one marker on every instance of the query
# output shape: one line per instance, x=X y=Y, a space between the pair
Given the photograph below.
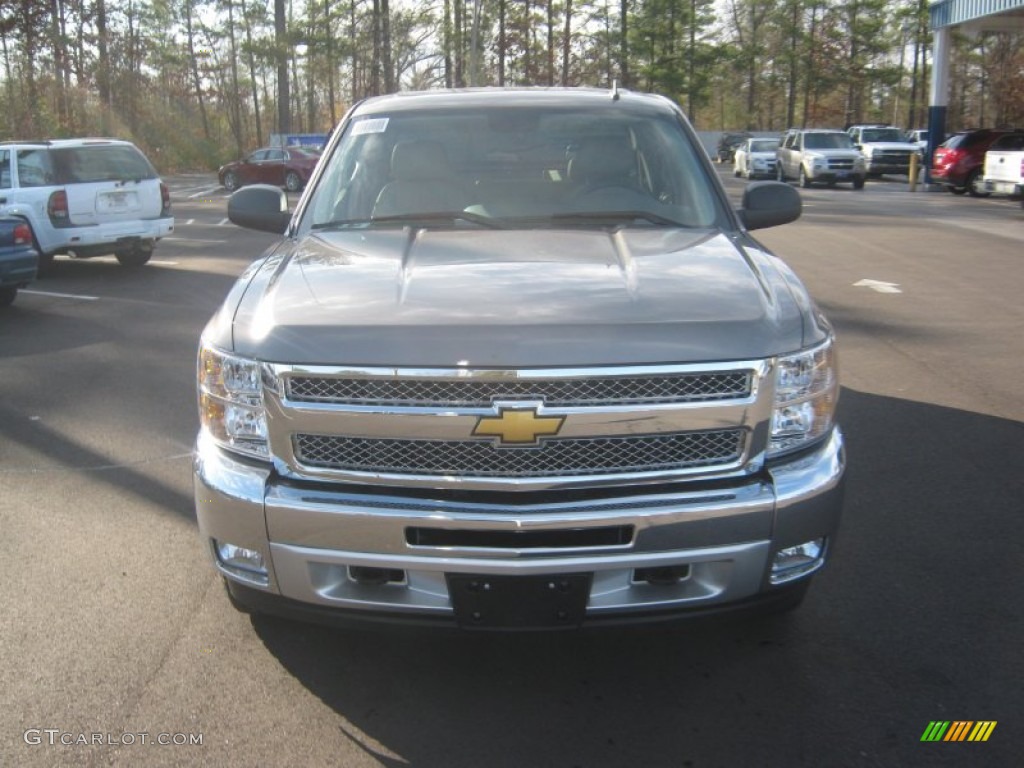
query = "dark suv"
x=728 y=144
x=958 y=163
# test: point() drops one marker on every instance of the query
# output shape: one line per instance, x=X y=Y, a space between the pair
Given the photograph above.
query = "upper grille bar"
x=482 y=392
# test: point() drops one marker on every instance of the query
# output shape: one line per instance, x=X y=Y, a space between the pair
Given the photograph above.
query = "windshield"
x=827 y=141
x=881 y=134
x=764 y=145
x=514 y=167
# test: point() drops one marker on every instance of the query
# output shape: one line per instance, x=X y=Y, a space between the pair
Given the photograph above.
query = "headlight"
x=231 y=402
x=806 y=393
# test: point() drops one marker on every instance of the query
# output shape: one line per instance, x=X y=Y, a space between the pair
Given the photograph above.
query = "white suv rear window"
x=80 y=165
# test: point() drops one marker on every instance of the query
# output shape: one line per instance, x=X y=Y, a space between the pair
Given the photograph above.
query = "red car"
x=958 y=163
x=289 y=168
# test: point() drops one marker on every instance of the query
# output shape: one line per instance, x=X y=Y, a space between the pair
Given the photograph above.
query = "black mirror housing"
x=769 y=204
x=261 y=207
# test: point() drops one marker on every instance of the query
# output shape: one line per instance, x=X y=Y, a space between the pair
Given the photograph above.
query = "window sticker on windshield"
x=375 y=125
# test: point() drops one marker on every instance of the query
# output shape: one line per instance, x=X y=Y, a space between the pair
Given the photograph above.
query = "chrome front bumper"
x=312 y=536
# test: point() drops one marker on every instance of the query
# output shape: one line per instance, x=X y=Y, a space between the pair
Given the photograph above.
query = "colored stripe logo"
x=958 y=730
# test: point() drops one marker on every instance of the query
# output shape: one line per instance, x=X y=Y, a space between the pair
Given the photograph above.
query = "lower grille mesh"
x=561 y=457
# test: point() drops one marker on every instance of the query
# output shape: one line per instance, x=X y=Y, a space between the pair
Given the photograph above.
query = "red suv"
x=959 y=162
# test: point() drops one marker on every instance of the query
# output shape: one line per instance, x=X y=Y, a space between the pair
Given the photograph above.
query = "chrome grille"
x=556 y=457
x=481 y=392
x=840 y=164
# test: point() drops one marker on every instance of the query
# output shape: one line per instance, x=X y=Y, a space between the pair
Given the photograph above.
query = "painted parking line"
x=185 y=189
x=879 y=286
x=56 y=295
x=192 y=240
x=157 y=262
x=204 y=191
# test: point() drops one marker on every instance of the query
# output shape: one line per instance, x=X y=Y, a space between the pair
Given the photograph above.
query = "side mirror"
x=769 y=204
x=261 y=207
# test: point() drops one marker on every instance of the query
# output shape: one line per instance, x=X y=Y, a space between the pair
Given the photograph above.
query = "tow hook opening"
x=662 y=576
x=375 y=577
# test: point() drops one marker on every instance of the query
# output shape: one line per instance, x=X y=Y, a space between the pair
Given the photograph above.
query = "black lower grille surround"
x=563 y=457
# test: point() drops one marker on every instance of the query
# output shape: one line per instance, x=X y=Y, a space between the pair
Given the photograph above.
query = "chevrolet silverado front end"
x=519 y=380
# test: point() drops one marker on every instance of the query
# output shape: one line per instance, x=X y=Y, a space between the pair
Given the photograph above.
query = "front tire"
x=779 y=174
x=292 y=182
x=858 y=182
x=230 y=181
x=805 y=182
x=7 y=294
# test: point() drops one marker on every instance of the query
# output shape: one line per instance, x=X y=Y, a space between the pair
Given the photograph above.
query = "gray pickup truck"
x=517 y=363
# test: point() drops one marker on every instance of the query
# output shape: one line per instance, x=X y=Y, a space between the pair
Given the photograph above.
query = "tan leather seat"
x=422 y=182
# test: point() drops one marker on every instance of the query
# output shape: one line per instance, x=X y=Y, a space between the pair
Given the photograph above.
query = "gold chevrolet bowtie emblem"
x=518 y=426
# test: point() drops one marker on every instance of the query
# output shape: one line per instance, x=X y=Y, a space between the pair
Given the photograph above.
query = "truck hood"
x=422 y=297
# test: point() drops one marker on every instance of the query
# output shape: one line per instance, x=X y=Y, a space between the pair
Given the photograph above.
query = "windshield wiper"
x=648 y=216
x=474 y=218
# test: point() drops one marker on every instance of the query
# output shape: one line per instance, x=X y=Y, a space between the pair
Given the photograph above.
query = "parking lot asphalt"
x=115 y=630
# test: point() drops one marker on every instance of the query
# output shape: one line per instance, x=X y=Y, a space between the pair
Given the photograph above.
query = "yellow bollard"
x=912 y=173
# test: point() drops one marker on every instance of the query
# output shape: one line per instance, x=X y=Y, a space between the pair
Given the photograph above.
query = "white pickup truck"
x=1004 y=170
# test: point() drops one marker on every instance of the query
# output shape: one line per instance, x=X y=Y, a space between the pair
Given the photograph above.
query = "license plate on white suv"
x=117 y=202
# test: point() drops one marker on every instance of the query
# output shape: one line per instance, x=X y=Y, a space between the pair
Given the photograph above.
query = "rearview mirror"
x=769 y=204
x=261 y=207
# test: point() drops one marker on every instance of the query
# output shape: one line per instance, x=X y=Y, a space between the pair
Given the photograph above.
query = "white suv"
x=86 y=197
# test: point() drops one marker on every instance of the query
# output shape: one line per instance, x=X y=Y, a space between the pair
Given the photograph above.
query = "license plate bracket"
x=519 y=602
